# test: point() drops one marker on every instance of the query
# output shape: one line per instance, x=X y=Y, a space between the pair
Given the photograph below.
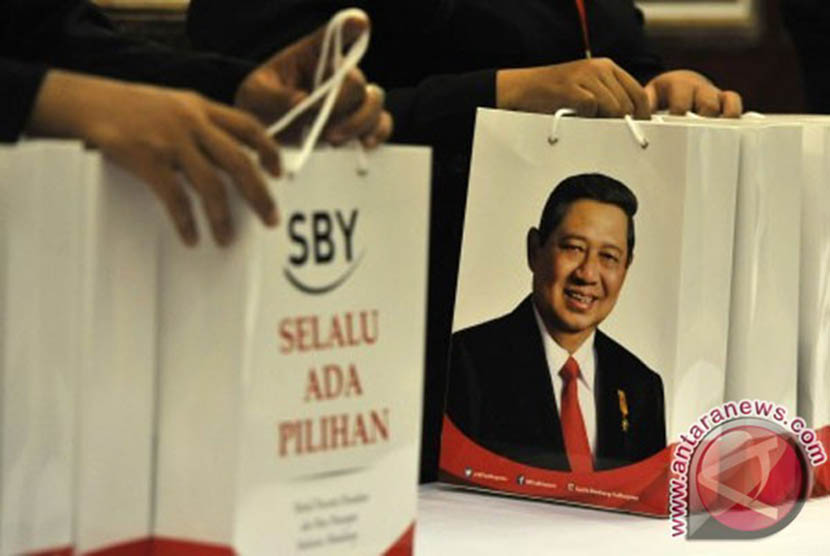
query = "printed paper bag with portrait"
x=592 y=306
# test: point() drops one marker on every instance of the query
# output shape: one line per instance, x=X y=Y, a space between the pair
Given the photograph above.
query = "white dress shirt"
x=585 y=357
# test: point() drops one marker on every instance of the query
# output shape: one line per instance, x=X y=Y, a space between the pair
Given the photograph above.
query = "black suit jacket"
x=501 y=396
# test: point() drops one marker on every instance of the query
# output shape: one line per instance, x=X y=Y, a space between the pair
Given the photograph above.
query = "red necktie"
x=583 y=21
x=573 y=427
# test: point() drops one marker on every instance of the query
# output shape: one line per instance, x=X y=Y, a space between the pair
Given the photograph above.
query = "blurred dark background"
x=761 y=63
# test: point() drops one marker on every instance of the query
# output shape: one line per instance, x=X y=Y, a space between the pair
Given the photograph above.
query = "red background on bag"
x=647 y=480
x=822 y=472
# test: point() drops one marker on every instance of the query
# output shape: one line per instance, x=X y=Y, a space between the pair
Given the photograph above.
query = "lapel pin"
x=623 y=410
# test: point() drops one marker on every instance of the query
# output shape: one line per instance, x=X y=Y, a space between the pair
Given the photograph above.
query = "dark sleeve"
x=438 y=107
x=440 y=110
x=19 y=83
x=808 y=22
x=246 y=28
x=75 y=35
x=645 y=62
x=617 y=32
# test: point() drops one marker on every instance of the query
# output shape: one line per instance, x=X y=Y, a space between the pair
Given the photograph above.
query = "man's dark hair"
x=596 y=187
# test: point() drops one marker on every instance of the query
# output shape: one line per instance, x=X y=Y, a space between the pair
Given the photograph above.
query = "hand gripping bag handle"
x=329 y=88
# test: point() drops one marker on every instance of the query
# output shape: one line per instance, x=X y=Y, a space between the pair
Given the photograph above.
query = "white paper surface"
x=763 y=326
x=814 y=292
x=763 y=331
x=40 y=351
x=452 y=522
x=204 y=295
x=116 y=415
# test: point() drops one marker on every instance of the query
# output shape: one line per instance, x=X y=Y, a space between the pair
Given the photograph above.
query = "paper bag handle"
x=330 y=87
x=553 y=136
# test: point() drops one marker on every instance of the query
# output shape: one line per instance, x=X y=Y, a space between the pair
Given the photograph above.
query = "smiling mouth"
x=579 y=301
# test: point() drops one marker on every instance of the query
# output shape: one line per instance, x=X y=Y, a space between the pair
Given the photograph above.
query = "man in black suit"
x=542 y=385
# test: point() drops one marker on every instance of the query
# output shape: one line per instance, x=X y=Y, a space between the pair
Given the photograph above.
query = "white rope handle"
x=636 y=131
x=752 y=116
x=330 y=87
x=553 y=137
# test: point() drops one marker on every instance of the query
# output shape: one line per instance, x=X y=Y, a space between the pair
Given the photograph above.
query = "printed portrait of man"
x=543 y=385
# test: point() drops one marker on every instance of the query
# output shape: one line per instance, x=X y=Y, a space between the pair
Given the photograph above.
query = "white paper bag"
x=814 y=275
x=40 y=213
x=205 y=294
x=763 y=329
x=229 y=384
x=814 y=286
x=673 y=310
x=814 y=305
x=763 y=325
x=117 y=388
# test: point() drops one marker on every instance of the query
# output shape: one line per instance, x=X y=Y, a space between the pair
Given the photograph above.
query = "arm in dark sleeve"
x=247 y=28
x=428 y=107
x=644 y=62
x=617 y=32
x=440 y=110
x=19 y=84
x=75 y=35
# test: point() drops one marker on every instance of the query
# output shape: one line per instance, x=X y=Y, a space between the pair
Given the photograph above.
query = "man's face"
x=579 y=270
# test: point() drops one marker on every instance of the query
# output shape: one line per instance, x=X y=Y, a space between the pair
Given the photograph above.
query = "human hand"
x=593 y=87
x=154 y=133
x=287 y=78
x=681 y=91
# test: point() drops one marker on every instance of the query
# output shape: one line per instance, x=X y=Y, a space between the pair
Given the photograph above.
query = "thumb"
x=279 y=101
x=287 y=77
x=268 y=99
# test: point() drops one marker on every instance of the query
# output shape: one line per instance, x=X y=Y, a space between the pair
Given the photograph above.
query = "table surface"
x=454 y=522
